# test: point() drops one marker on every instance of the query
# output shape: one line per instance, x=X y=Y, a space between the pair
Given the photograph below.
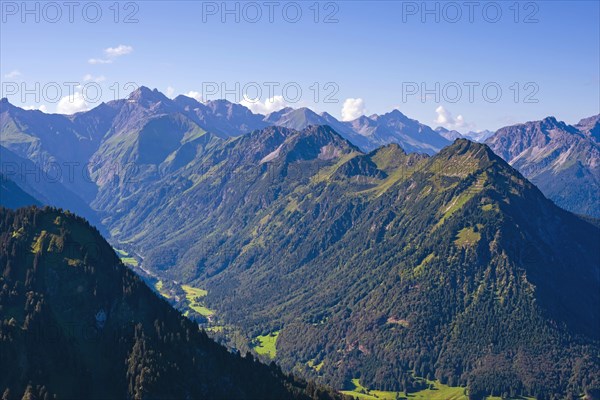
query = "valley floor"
x=437 y=391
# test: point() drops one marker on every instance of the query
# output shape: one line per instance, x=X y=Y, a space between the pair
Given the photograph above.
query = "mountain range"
x=452 y=135
x=80 y=154
x=562 y=160
x=393 y=261
x=90 y=145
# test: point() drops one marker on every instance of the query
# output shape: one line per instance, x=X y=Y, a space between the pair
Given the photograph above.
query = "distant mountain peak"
x=313 y=142
x=393 y=115
x=548 y=125
x=450 y=134
x=8 y=106
x=306 y=110
x=364 y=119
x=478 y=136
x=220 y=102
x=299 y=112
x=462 y=148
x=228 y=108
x=395 y=112
x=394 y=151
x=323 y=129
x=551 y=122
x=590 y=126
x=283 y=111
x=144 y=94
x=318 y=142
x=298 y=118
x=186 y=100
x=594 y=119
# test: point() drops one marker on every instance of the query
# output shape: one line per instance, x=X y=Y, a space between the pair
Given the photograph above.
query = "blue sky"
x=370 y=57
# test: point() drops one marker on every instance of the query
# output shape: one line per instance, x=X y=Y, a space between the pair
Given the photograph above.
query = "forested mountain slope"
x=76 y=323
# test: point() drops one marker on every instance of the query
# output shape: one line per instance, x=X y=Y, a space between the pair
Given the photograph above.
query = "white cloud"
x=99 y=61
x=353 y=108
x=92 y=78
x=170 y=92
x=447 y=120
x=111 y=54
x=194 y=95
x=270 y=105
x=15 y=73
x=71 y=104
x=120 y=50
x=41 y=108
